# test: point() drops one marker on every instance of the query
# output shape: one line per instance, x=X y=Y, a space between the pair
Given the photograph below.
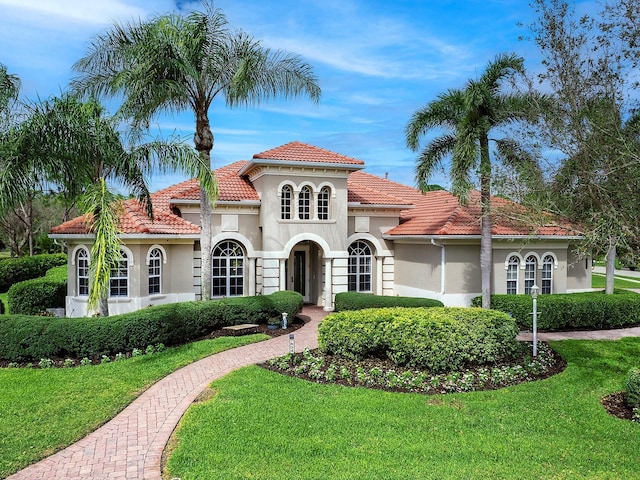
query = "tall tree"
x=175 y=63
x=9 y=88
x=74 y=145
x=468 y=117
x=590 y=63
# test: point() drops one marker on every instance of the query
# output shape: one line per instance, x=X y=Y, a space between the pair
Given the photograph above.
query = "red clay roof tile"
x=435 y=213
x=303 y=152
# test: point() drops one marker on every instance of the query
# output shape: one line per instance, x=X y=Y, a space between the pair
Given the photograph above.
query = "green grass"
x=43 y=411
x=263 y=425
x=5 y=299
x=598 y=280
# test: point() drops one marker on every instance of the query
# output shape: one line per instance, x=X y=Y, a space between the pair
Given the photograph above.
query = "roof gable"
x=303 y=152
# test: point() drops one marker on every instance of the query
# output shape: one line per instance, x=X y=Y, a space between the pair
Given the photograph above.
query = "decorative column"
x=283 y=275
x=379 y=276
x=328 y=282
x=252 y=276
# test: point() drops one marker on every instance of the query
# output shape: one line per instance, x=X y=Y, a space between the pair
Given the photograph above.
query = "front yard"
x=263 y=425
x=44 y=410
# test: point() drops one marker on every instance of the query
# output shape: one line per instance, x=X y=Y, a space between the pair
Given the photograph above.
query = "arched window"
x=512 y=274
x=227 y=270
x=82 y=263
x=119 y=278
x=304 y=203
x=323 y=204
x=155 y=272
x=285 y=202
x=547 y=274
x=530 y=265
x=359 y=267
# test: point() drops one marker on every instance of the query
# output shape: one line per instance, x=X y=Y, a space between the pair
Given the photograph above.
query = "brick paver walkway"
x=130 y=445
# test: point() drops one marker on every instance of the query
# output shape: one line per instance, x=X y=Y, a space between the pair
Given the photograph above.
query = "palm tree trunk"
x=203 y=140
x=610 y=269
x=486 y=249
x=103 y=307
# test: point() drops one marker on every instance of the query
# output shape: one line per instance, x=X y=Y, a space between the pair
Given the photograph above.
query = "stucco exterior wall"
x=176 y=277
x=418 y=266
x=578 y=272
x=278 y=232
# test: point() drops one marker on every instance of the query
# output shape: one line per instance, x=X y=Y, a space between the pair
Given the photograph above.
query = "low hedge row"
x=436 y=339
x=14 y=270
x=33 y=297
x=571 y=311
x=358 y=301
x=30 y=338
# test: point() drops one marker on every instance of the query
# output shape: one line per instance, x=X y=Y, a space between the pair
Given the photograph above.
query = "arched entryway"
x=304 y=271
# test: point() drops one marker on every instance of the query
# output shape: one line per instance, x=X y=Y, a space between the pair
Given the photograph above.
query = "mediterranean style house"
x=302 y=218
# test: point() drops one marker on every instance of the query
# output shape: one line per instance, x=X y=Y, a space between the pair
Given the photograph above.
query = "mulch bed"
x=615 y=406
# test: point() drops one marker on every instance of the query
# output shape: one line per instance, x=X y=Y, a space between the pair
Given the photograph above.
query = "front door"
x=300 y=274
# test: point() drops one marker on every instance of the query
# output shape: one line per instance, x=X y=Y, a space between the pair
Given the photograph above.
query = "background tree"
x=175 y=63
x=589 y=124
x=76 y=147
x=9 y=89
x=469 y=116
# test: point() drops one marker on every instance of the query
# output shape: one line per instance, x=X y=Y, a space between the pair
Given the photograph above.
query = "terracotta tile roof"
x=440 y=213
x=433 y=213
x=298 y=151
x=134 y=220
x=360 y=193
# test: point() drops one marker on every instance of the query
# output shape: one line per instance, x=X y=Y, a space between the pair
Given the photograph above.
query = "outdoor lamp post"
x=292 y=344
x=284 y=319
x=534 y=295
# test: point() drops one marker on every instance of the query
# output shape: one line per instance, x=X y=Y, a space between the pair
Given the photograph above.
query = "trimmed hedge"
x=14 y=270
x=571 y=311
x=33 y=297
x=632 y=388
x=29 y=338
x=437 y=339
x=358 y=301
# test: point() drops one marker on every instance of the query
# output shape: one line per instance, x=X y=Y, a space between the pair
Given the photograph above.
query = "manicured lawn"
x=263 y=425
x=42 y=411
x=597 y=281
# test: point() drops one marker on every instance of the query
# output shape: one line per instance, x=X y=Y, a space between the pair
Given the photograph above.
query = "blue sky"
x=377 y=63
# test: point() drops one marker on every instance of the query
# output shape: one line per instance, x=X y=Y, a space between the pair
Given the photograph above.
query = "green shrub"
x=33 y=297
x=632 y=389
x=358 y=301
x=437 y=339
x=57 y=273
x=287 y=301
x=14 y=270
x=29 y=338
x=571 y=311
x=2 y=310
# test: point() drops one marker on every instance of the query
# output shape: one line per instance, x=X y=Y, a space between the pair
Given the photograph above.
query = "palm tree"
x=73 y=145
x=176 y=63
x=9 y=87
x=468 y=116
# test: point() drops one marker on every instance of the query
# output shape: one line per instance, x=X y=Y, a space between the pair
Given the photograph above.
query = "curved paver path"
x=130 y=445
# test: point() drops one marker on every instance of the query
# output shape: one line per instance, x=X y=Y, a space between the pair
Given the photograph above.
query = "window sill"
x=307 y=221
x=119 y=300
x=157 y=296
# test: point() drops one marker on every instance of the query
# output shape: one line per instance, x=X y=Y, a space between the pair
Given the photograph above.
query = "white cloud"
x=73 y=11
